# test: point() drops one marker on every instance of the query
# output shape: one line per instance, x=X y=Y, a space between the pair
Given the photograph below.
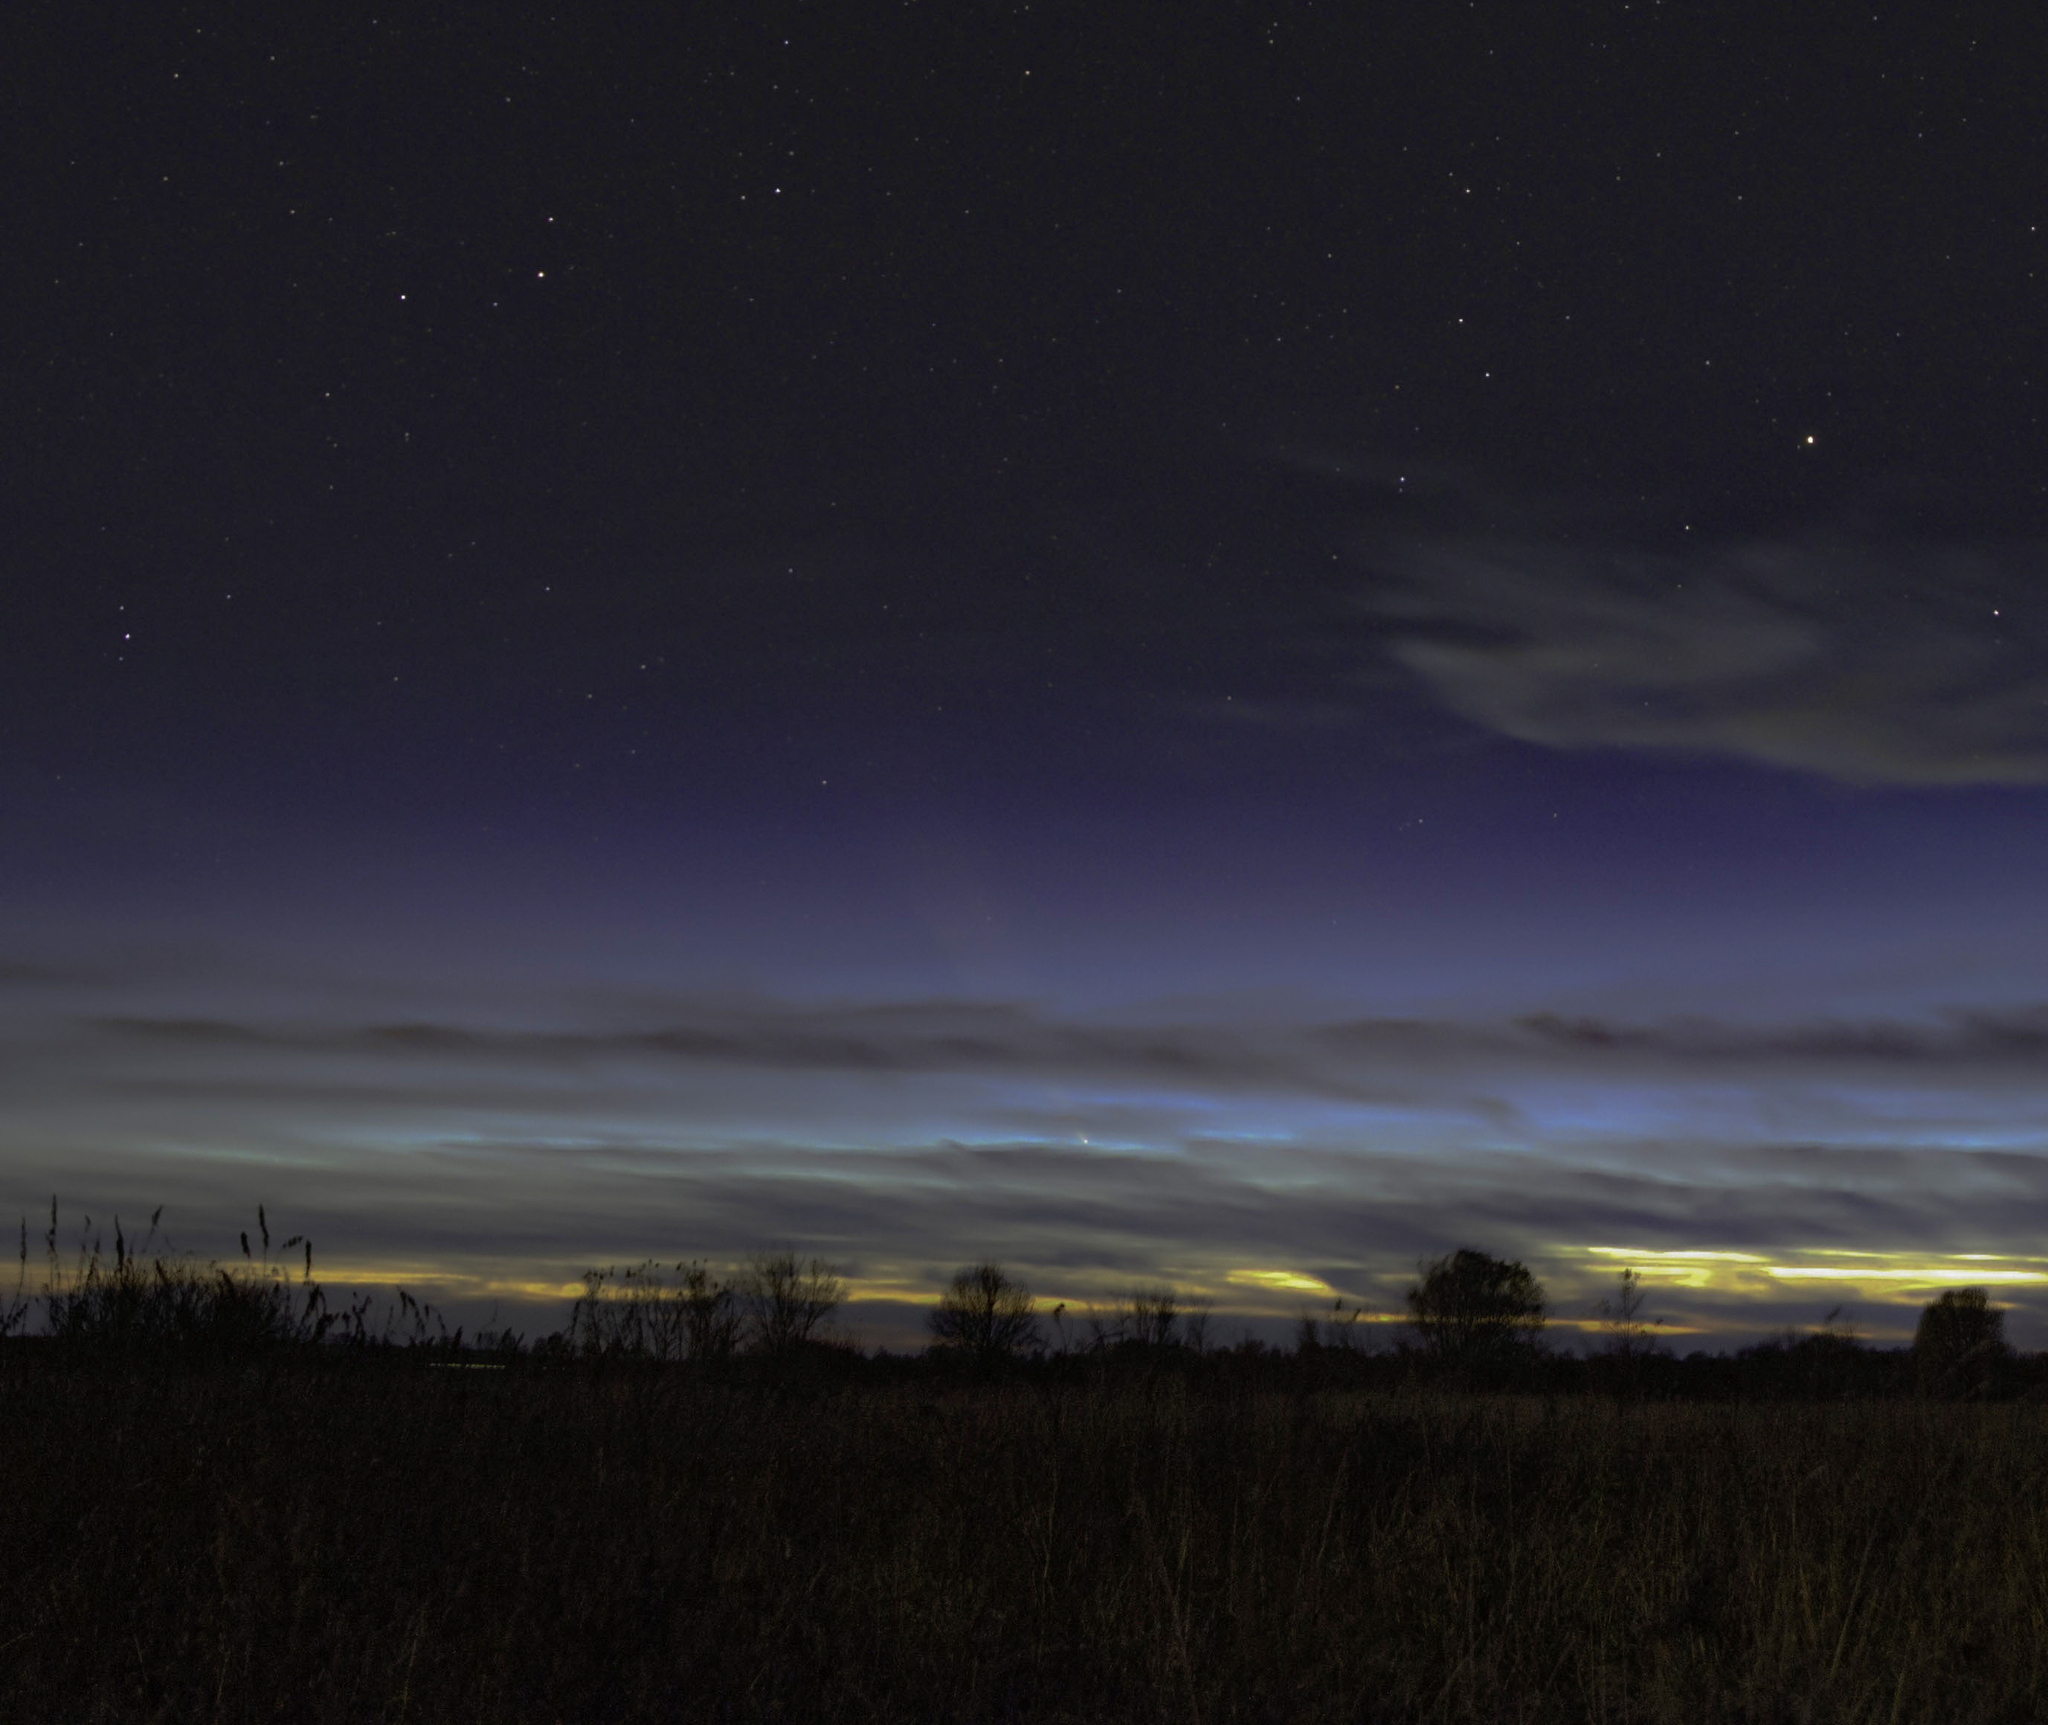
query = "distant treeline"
x=1474 y=1321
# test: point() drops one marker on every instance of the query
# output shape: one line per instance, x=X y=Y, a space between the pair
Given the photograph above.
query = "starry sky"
x=1207 y=645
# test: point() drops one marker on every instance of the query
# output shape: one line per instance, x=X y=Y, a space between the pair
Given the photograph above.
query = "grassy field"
x=387 y=1539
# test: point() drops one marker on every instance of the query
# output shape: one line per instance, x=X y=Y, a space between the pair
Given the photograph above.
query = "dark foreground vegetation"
x=250 y=1523
x=391 y=1541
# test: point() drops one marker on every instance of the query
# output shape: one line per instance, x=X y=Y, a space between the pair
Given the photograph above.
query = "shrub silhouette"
x=1150 y=1316
x=986 y=1315
x=16 y=1309
x=636 y=1314
x=1150 y=1319
x=787 y=1301
x=1335 y=1333
x=711 y=1319
x=1470 y=1309
x=1960 y=1343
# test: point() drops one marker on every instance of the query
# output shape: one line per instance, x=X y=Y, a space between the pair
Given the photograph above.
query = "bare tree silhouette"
x=711 y=1319
x=986 y=1314
x=787 y=1301
x=1622 y=1317
x=1151 y=1317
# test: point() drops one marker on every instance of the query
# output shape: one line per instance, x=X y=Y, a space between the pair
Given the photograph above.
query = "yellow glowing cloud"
x=1279 y=1282
x=896 y=1289
x=1929 y=1274
x=1735 y=1271
x=441 y=1279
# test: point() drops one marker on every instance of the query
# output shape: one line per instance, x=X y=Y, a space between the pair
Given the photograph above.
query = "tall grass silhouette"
x=136 y=1302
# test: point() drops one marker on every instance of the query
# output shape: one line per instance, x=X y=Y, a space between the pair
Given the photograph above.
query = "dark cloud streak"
x=1354 y=1059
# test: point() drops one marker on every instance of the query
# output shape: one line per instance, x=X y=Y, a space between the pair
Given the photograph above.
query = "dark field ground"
x=385 y=1540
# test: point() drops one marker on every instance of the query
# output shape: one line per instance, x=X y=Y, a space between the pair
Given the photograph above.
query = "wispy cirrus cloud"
x=1870 y=660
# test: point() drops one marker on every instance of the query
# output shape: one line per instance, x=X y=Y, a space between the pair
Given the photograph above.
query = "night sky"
x=1182 y=644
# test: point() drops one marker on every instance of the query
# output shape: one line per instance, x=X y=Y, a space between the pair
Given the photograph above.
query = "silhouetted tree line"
x=1473 y=1322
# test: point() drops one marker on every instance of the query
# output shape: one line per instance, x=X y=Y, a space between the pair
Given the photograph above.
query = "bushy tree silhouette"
x=1960 y=1343
x=1471 y=1309
x=985 y=1314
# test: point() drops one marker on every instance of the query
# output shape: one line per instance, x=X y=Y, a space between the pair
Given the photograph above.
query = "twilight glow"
x=924 y=666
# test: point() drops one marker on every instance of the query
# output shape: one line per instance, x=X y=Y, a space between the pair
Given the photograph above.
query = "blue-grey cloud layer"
x=906 y=1136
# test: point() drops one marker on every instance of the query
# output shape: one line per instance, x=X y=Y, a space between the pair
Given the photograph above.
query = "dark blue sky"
x=1230 y=647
